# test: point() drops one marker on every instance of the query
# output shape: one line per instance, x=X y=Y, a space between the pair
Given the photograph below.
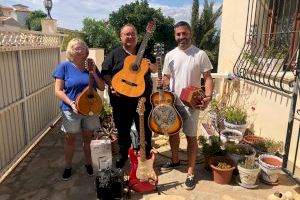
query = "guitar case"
x=110 y=184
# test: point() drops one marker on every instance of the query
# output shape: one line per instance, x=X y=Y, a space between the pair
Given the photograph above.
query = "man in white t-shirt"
x=183 y=67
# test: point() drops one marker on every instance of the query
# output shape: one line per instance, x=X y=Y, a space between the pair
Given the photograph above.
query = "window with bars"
x=271 y=44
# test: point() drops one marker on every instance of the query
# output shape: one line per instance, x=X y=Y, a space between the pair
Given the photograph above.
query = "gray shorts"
x=190 y=119
x=76 y=123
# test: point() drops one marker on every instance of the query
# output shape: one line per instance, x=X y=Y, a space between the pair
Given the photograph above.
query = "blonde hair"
x=70 y=51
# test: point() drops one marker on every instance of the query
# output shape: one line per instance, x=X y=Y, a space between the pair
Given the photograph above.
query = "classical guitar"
x=129 y=81
x=164 y=118
x=88 y=101
x=142 y=177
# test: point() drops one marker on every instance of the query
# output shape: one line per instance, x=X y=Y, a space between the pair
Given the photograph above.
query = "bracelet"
x=72 y=102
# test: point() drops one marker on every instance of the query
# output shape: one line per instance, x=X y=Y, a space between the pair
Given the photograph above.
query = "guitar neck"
x=91 y=83
x=159 y=74
x=142 y=49
x=142 y=139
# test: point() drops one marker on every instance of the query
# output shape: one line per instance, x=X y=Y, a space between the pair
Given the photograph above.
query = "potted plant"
x=251 y=139
x=107 y=129
x=210 y=148
x=239 y=152
x=215 y=114
x=222 y=169
x=231 y=135
x=268 y=146
x=270 y=166
x=235 y=118
x=249 y=171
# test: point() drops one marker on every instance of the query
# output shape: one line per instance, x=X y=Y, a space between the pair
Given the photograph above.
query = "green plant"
x=268 y=145
x=214 y=105
x=250 y=57
x=235 y=115
x=223 y=165
x=243 y=150
x=213 y=148
x=249 y=163
x=106 y=110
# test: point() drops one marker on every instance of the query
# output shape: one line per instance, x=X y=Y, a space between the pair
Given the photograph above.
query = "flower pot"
x=221 y=176
x=270 y=167
x=236 y=158
x=241 y=127
x=231 y=135
x=248 y=176
x=250 y=139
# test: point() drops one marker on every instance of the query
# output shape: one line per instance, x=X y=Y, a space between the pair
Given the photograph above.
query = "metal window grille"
x=269 y=54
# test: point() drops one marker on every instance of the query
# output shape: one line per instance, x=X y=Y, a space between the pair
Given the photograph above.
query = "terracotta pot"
x=221 y=176
x=250 y=139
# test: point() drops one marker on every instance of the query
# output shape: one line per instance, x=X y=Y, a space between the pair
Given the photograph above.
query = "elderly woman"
x=71 y=77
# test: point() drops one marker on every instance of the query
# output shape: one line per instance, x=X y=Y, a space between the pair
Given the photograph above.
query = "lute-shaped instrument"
x=88 y=101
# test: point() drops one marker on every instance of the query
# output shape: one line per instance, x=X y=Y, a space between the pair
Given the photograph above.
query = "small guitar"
x=88 y=101
x=129 y=81
x=142 y=177
x=164 y=118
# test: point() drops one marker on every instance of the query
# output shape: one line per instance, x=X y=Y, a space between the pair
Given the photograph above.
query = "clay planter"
x=221 y=176
x=231 y=135
x=250 y=139
x=271 y=167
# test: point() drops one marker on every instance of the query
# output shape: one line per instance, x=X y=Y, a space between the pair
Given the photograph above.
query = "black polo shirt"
x=114 y=62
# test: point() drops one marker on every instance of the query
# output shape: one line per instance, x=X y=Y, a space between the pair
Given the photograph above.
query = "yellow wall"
x=233 y=28
x=270 y=118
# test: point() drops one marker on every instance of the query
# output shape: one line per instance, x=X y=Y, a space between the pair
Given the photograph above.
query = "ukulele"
x=129 y=81
x=142 y=177
x=88 y=101
x=164 y=118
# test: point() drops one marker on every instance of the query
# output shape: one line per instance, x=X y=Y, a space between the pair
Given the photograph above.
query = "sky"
x=70 y=13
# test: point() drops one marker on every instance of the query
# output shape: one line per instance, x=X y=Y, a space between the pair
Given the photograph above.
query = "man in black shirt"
x=124 y=108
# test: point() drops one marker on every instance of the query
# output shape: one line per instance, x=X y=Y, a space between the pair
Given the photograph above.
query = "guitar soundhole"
x=90 y=96
x=135 y=67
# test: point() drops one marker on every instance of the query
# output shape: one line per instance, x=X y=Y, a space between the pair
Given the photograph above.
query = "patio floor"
x=38 y=177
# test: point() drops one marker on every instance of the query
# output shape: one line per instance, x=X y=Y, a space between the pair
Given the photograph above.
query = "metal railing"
x=269 y=53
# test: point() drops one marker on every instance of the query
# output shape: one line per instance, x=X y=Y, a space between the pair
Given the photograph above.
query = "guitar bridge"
x=129 y=83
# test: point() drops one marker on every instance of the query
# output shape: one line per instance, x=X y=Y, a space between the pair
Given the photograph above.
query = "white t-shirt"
x=185 y=68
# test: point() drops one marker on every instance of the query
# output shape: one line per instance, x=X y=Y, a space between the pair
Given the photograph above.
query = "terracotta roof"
x=6 y=8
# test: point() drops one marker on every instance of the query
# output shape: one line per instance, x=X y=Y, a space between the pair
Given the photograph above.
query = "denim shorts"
x=190 y=118
x=76 y=123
